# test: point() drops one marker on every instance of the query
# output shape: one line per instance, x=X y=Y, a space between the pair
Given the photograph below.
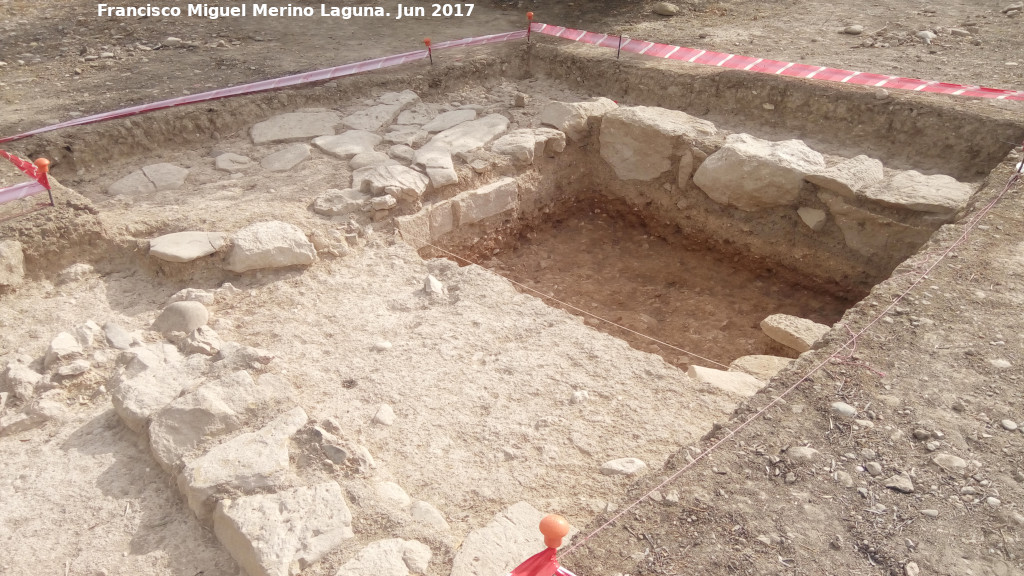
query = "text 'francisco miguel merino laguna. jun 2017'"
x=265 y=10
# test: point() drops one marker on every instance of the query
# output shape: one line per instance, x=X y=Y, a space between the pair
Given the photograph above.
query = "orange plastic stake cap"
x=554 y=528
x=426 y=41
x=529 y=16
x=43 y=164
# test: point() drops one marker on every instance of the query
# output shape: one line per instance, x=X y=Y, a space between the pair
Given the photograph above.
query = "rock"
x=402 y=153
x=415 y=228
x=117 y=337
x=382 y=346
x=760 y=366
x=753 y=174
x=21 y=422
x=471 y=135
x=393 y=557
x=911 y=569
x=1019 y=6
x=287 y=158
x=393 y=495
x=526 y=144
x=204 y=297
x=230 y=162
x=881 y=94
x=165 y=176
x=271 y=244
x=133 y=184
x=854 y=30
x=385 y=415
x=937 y=194
x=449 y=120
x=950 y=463
x=873 y=235
x=63 y=347
x=900 y=483
x=172 y=42
x=873 y=468
x=843 y=409
x=348 y=144
x=520 y=99
x=436 y=161
x=377 y=180
x=992 y=501
x=21 y=380
x=424 y=513
x=736 y=383
x=799 y=334
x=294 y=126
x=185 y=246
x=665 y=9
x=802 y=454
x=365 y=159
x=1000 y=363
x=147 y=382
x=88 y=333
x=640 y=142
x=572 y=118
x=74 y=273
x=233 y=356
x=844 y=479
x=814 y=218
x=926 y=36
x=930 y=513
x=406 y=136
x=433 y=286
x=502 y=544
x=248 y=463
x=623 y=467
x=490 y=200
x=340 y=202
x=213 y=410
x=385 y=202
x=959 y=32
x=379 y=116
x=75 y=368
x=181 y=317
x=285 y=533
x=12 y=263
x=849 y=176
x=1008 y=425
x=202 y=340
x=418 y=115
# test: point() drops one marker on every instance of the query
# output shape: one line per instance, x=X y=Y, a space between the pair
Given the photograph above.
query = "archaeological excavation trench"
x=272 y=293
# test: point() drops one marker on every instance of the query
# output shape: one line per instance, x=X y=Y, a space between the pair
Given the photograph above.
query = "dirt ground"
x=938 y=374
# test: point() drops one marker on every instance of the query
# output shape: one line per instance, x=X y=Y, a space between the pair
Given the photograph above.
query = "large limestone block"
x=752 y=174
x=486 y=201
x=760 y=366
x=12 y=263
x=937 y=194
x=213 y=410
x=379 y=116
x=165 y=176
x=294 y=126
x=415 y=228
x=249 y=463
x=449 y=120
x=436 y=161
x=733 y=383
x=132 y=185
x=640 y=142
x=149 y=381
x=874 y=235
x=525 y=144
x=849 y=176
x=442 y=218
x=470 y=135
x=509 y=538
x=185 y=246
x=287 y=158
x=283 y=534
x=401 y=180
x=340 y=202
x=271 y=244
x=572 y=117
x=393 y=557
x=348 y=143
x=797 y=333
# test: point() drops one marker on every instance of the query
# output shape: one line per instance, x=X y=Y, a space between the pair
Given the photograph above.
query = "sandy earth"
x=84 y=496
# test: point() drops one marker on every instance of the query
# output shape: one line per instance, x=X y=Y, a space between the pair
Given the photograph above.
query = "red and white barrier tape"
x=273 y=84
x=764 y=66
x=19 y=191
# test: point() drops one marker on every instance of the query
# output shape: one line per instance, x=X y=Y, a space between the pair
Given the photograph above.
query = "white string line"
x=851 y=341
x=566 y=304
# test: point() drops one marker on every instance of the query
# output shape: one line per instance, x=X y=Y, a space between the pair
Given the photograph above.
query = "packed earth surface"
x=385 y=324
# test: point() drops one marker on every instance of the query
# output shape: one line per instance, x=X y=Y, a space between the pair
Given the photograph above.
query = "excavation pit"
x=470 y=395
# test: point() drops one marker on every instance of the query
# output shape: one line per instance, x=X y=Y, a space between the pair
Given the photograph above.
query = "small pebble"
x=930 y=513
x=881 y=94
x=843 y=409
x=854 y=30
x=873 y=468
x=382 y=346
x=992 y=501
x=1009 y=425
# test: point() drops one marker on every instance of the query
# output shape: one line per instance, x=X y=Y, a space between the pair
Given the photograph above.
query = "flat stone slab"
x=753 y=174
x=572 y=117
x=490 y=200
x=185 y=246
x=874 y=235
x=271 y=244
x=231 y=162
x=760 y=366
x=448 y=120
x=132 y=185
x=392 y=557
x=850 y=176
x=367 y=159
x=936 y=194
x=283 y=534
x=437 y=162
x=379 y=116
x=294 y=126
x=470 y=135
x=395 y=180
x=734 y=383
x=286 y=159
x=624 y=467
x=340 y=202
x=165 y=176
x=526 y=144
x=348 y=144
x=150 y=380
x=508 y=539
x=797 y=333
x=640 y=142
